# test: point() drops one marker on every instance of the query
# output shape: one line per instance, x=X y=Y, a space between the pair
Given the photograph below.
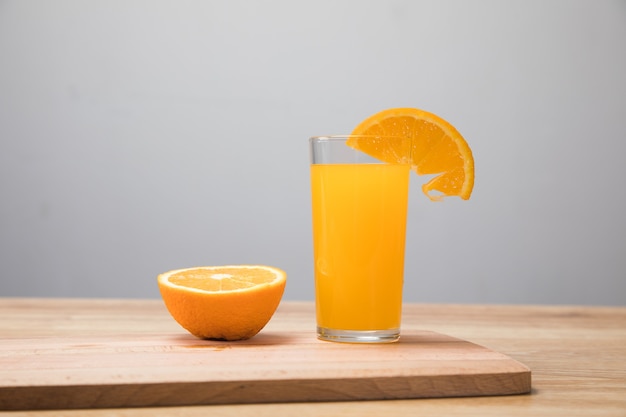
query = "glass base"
x=358 y=336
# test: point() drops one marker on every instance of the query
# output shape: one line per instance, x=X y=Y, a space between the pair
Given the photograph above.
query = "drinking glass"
x=359 y=207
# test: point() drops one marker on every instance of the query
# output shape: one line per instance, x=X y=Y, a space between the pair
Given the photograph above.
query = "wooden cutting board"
x=82 y=368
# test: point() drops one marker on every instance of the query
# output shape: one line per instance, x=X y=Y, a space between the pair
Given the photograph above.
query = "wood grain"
x=64 y=354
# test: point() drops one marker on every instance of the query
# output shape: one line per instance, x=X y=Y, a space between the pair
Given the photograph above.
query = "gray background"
x=142 y=136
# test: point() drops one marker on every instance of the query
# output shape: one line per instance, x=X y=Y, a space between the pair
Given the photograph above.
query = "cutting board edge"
x=250 y=392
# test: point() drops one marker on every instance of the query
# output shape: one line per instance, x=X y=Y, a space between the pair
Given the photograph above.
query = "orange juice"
x=359 y=228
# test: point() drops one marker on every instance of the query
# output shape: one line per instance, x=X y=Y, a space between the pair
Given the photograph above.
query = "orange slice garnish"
x=437 y=149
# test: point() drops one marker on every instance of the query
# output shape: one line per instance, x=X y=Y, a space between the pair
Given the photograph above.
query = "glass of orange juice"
x=359 y=207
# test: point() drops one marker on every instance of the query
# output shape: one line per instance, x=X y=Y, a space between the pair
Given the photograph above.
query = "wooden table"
x=577 y=354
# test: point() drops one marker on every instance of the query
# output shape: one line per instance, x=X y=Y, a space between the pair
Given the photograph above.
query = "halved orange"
x=437 y=148
x=223 y=302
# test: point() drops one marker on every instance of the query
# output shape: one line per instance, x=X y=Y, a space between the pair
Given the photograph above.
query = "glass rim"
x=340 y=137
